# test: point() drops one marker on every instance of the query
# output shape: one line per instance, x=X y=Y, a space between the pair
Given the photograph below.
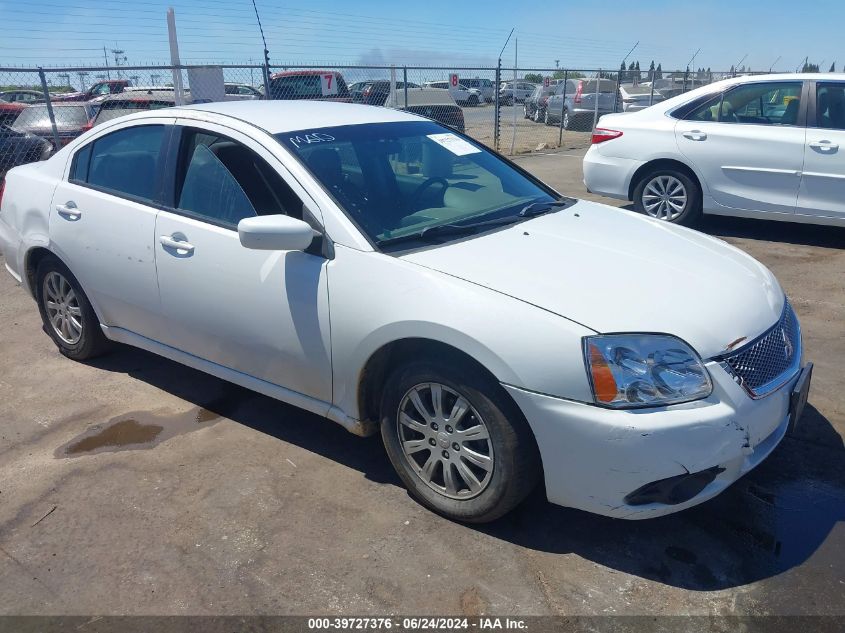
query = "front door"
x=822 y=191
x=262 y=313
x=748 y=146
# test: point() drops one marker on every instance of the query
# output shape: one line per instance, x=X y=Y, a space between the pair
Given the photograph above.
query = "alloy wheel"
x=445 y=441
x=664 y=198
x=63 y=310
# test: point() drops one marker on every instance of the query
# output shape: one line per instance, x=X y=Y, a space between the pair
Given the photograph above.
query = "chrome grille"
x=767 y=362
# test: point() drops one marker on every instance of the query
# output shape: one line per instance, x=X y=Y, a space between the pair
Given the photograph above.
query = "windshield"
x=398 y=179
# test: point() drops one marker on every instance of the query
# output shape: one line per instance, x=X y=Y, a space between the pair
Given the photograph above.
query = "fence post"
x=496 y=109
x=265 y=70
x=651 y=96
x=596 y=111
x=616 y=96
x=562 y=108
x=49 y=105
x=405 y=84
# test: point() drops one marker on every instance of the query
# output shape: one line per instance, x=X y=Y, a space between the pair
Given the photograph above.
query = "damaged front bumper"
x=598 y=459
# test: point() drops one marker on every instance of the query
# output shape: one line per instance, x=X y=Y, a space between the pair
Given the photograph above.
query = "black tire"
x=547 y=119
x=525 y=114
x=91 y=342
x=538 y=115
x=516 y=462
x=691 y=213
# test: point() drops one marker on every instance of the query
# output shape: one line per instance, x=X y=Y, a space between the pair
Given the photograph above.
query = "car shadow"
x=773 y=519
x=769 y=230
x=768 y=522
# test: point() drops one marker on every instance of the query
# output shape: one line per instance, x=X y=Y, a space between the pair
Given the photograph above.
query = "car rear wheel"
x=525 y=111
x=458 y=443
x=538 y=116
x=669 y=195
x=66 y=312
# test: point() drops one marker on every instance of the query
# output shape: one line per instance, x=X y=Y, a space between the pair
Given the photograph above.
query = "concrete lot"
x=231 y=503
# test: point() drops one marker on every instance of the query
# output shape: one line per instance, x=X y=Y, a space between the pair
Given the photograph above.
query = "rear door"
x=822 y=192
x=102 y=223
x=748 y=145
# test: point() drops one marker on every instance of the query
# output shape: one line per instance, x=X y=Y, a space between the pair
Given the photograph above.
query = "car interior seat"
x=790 y=115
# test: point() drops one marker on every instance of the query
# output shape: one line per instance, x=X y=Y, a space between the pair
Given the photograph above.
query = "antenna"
x=624 y=59
x=773 y=63
x=692 y=59
x=740 y=61
x=263 y=39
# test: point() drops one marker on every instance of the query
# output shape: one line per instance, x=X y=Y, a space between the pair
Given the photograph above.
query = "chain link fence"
x=511 y=110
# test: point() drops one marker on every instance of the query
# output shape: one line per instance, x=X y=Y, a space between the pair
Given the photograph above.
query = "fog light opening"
x=673 y=490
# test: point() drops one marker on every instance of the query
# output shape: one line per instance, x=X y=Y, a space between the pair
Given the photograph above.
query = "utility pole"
x=82 y=75
x=557 y=63
x=106 y=60
x=117 y=59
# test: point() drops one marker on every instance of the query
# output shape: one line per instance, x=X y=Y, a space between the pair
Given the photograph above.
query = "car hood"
x=615 y=271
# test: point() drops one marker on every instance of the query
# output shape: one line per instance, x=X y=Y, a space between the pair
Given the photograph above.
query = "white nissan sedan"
x=769 y=147
x=381 y=270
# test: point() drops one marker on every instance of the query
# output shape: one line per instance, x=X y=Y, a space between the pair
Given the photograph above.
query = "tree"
x=571 y=74
x=832 y=68
x=810 y=68
x=658 y=74
x=638 y=75
x=651 y=71
x=534 y=78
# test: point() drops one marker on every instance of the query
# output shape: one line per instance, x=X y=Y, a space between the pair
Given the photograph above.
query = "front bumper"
x=593 y=457
x=607 y=175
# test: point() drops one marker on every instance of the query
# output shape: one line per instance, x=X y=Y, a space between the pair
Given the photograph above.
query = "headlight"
x=644 y=370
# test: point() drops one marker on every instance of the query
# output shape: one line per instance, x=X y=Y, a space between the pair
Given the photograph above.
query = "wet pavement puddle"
x=137 y=430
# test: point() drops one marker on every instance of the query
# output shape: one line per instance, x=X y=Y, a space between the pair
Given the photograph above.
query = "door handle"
x=69 y=211
x=696 y=135
x=168 y=241
x=824 y=146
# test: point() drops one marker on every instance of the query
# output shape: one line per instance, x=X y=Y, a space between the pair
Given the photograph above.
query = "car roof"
x=294 y=73
x=288 y=116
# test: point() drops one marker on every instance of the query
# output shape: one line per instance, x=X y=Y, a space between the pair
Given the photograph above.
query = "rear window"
x=606 y=85
x=303 y=87
x=114 y=110
x=37 y=116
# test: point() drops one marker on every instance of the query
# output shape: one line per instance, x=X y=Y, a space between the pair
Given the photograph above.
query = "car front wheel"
x=669 y=195
x=456 y=440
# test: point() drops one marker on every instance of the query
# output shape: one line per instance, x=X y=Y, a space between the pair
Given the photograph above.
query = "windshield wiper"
x=446 y=229
x=528 y=211
x=539 y=208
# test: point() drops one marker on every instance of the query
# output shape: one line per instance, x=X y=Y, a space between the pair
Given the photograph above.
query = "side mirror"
x=275 y=233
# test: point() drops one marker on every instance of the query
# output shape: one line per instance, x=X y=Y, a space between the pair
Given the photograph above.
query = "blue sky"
x=579 y=34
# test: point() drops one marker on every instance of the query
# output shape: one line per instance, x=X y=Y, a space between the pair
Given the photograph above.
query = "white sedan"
x=376 y=268
x=770 y=147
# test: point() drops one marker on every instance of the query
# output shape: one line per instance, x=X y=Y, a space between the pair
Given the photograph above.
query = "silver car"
x=508 y=92
x=580 y=102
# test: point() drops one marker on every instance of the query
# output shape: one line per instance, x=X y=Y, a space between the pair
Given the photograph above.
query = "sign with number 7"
x=328 y=84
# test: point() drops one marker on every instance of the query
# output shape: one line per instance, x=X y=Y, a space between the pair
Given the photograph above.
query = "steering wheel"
x=428 y=183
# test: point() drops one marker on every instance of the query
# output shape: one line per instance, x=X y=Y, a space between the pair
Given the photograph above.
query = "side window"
x=126 y=161
x=708 y=111
x=79 y=167
x=770 y=103
x=830 y=106
x=224 y=181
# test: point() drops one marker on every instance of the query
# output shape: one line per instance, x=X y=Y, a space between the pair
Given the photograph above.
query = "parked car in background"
x=485 y=87
x=241 y=92
x=72 y=119
x=766 y=146
x=376 y=92
x=633 y=98
x=323 y=85
x=19 y=148
x=534 y=107
x=375 y=268
x=463 y=96
x=97 y=90
x=579 y=102
x=436 y=104
x=22 y=96
x=119 y=105
x=9 y=112
x=508 y=94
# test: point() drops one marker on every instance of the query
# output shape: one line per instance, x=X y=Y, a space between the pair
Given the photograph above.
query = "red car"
x=9 y=112
x=323 y=85
x=99 y=89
